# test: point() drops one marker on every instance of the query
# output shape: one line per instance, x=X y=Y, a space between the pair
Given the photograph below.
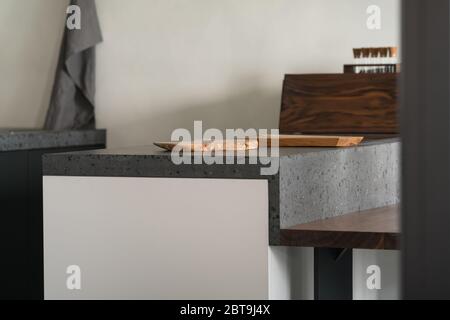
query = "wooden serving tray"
x=284 y=140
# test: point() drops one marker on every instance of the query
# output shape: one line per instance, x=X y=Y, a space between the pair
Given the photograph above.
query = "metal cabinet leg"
x=333 y=274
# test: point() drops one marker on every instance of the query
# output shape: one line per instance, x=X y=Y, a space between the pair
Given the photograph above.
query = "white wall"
x=30 y=36
x=165 y=63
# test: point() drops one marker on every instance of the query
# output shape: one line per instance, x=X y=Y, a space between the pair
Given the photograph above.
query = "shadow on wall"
x=254 y=108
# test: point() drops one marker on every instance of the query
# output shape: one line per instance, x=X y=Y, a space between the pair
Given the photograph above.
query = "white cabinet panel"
x=156 y=238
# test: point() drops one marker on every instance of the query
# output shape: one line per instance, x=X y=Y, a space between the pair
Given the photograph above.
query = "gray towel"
x=72 y=99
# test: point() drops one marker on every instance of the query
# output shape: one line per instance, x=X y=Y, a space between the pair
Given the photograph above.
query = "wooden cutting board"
x=299 y=140
x=205 y=146
x=285 y=140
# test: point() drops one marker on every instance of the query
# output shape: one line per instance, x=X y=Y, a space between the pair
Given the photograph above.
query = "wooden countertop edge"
x=376 y=228
x=340 y=239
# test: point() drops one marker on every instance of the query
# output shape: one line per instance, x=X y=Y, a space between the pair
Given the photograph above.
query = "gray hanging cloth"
x=72 y=99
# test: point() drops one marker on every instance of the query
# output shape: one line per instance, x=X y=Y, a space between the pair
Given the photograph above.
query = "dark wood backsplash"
x=339 y=103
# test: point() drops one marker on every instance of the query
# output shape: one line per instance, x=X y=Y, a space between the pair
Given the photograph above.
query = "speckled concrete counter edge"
x=347 y=180
x=41 y=139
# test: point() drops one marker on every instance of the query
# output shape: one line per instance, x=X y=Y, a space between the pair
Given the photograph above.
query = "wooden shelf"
x=370 y=229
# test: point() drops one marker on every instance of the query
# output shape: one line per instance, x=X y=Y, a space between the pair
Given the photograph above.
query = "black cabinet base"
x=333 y=274
x=21 y=225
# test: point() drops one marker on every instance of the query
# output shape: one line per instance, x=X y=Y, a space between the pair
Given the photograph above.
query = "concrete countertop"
x=311 y=184
x=28 y=139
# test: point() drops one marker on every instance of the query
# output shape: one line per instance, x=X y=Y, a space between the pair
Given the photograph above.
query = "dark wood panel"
x=370 y=229
x=339 y=103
